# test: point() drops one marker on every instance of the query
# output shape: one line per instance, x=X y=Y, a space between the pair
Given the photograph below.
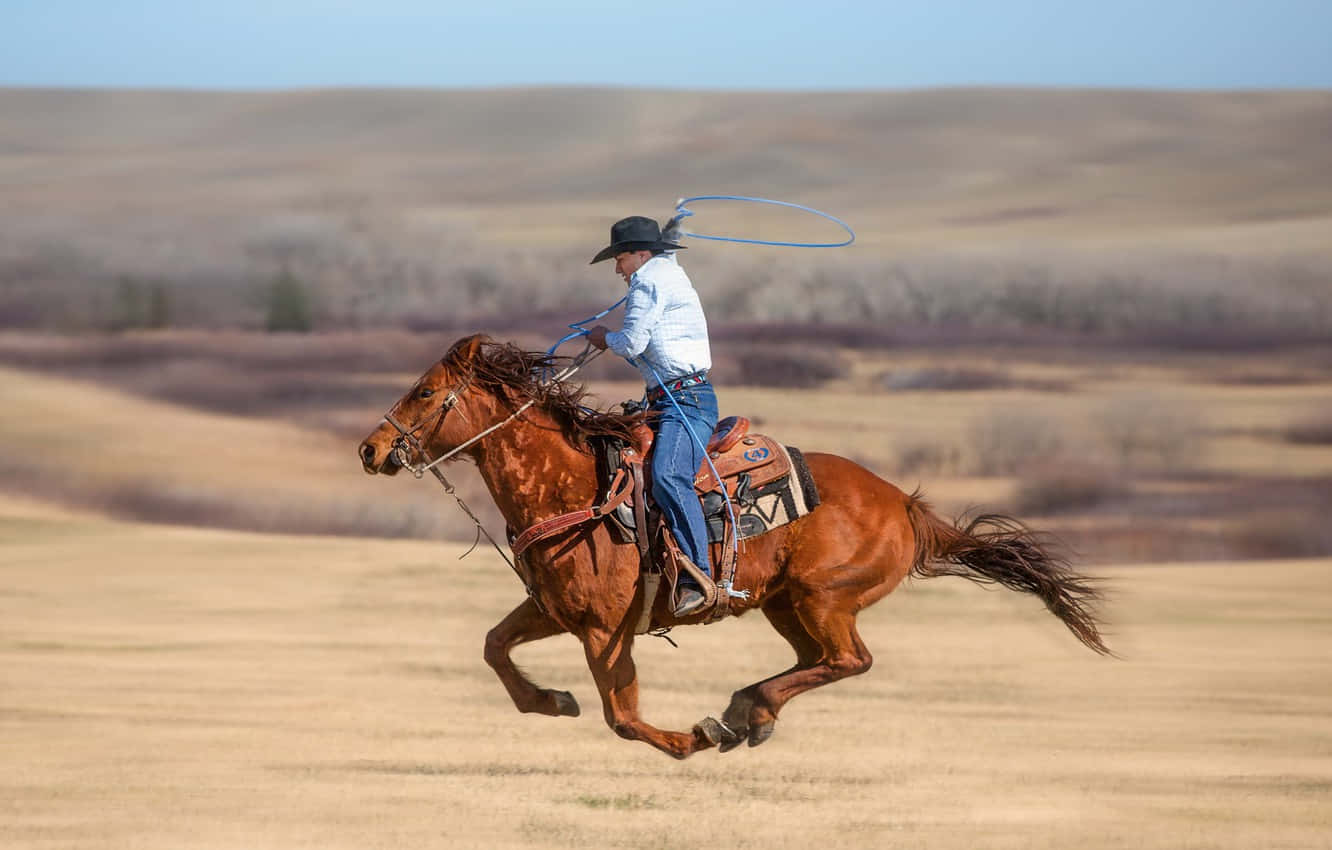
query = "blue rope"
x=730 y=508
x=683 y=212
x=579 y=330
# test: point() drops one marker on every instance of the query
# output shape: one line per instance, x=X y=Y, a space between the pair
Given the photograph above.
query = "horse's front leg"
x=611 y=662
x=523 y=624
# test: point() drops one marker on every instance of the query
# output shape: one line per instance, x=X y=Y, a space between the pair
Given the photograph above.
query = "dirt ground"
x=170 y=687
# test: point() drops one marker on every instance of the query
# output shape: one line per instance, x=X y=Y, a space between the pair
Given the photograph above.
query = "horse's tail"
x=994 y=548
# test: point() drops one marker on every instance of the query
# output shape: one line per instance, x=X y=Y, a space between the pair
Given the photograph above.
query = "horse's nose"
x=367 y=454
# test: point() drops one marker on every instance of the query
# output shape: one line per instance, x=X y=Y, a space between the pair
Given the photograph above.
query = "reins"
x=407 y=437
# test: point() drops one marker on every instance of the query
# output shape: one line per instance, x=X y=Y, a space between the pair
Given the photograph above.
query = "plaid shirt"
x=664 y=325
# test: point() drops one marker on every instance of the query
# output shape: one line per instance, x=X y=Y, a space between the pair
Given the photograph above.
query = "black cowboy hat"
x=635 y=233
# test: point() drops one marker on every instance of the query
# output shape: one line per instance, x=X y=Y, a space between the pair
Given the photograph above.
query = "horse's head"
x=479 y=386
x=442 y=410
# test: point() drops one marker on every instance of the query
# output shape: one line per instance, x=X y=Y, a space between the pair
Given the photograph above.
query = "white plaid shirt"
x=664 y=327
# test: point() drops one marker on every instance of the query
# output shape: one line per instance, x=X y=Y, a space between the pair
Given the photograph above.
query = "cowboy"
x=666 y=336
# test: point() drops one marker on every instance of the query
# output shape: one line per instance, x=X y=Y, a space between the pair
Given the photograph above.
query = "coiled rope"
x=682 y=212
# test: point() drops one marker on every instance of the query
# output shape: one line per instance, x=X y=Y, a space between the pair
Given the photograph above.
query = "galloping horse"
x=809 y=578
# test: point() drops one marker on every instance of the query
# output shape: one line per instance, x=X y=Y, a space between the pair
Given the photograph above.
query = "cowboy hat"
x=635 y=233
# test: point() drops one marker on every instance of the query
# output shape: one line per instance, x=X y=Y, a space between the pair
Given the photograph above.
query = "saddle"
x=756 y=473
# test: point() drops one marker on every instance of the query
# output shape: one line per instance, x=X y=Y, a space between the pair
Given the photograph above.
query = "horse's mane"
x=506 y=370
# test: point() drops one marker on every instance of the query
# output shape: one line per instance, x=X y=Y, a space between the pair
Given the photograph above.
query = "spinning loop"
x=683 y=212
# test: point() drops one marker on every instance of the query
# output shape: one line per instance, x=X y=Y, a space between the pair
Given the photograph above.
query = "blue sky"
x=823 y=44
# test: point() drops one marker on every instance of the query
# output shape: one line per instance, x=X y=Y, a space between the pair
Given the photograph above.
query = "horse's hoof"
x=735 y=721
x=710 y=731
x=732 y=736
x=566 y=705
x=760 y=733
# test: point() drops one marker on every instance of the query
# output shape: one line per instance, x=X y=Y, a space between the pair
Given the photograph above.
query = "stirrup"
x=683 y=567
x=691 y=601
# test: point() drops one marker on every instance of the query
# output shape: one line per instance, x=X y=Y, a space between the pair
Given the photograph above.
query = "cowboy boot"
x=688 y=600
x=691 y=595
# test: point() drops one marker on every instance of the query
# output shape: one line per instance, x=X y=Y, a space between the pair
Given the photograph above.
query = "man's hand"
x=597 y=336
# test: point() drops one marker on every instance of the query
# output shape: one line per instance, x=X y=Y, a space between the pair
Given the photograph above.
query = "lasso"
x=682 y=212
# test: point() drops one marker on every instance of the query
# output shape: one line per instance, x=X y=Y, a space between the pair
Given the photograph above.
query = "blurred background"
x=1092 y=282
x=1091 y=287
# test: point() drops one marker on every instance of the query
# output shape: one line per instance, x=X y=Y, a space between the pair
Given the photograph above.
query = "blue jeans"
x=676 y=457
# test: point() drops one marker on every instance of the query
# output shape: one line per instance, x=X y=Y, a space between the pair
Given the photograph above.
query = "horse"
x=809 y=578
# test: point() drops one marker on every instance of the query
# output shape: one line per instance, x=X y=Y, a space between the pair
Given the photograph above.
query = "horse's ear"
x=466 y=349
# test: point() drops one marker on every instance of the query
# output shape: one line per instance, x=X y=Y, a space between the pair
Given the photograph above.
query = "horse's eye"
x=425 y=393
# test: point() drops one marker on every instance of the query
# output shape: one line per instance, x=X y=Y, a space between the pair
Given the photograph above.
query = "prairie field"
x=174 y=687
x=1108 y=313
x=175 y=677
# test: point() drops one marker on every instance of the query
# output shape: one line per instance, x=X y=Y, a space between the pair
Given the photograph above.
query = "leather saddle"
x=737 y=455
x=743 y=461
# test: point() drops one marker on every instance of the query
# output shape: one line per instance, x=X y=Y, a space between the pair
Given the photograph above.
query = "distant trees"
x=288 y=305
x=140 y=306
x=136 y=305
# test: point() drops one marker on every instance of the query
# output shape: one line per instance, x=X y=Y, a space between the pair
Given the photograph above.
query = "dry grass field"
x=172 y=688
x=1107 y=313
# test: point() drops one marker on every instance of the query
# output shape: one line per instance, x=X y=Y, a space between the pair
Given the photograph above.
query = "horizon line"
x=665 y=89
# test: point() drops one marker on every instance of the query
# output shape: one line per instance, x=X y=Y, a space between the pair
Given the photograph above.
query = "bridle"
x=408 y=438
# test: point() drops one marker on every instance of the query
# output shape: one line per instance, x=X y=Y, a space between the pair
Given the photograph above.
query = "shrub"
x=158 y=311
x=288 y=306
x=944 y=379
x=924 y=458
x=1283 y=535
x=1313 y=433
x=1011 y=441
x=129 y=311
x=137 y=306
x=1148 y=431
x=772 y=366
x=1068 y=488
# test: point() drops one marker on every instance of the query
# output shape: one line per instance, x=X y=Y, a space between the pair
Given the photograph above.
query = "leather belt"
x=656 y=394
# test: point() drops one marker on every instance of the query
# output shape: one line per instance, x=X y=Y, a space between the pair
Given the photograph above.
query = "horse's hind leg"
x=831 y=623
x=822 y=629
x=782 y=616
x=523 y=624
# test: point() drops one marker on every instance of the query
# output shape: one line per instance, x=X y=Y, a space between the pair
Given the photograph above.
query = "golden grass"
x=168 y=688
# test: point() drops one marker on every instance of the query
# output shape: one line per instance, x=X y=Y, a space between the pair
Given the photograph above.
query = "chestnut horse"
x=809 y=578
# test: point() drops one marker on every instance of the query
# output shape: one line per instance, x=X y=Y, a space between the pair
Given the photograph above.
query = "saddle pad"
x=760 y=509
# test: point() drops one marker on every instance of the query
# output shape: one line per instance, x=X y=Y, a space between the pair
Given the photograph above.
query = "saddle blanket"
x=759 y=510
